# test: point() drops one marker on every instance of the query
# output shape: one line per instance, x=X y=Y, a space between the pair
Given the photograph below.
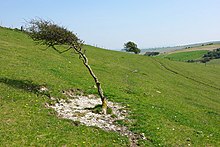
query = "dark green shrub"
x=151 y=53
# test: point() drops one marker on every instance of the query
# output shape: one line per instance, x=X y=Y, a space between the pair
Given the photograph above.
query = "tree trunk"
x=98 y=84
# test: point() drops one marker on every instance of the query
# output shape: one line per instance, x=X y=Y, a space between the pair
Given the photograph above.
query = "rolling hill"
x=172 y=103
x=183 y=48
x=184 y=56
x=192 y=53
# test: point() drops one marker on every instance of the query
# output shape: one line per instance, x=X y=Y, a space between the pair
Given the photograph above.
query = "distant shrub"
x=210 y=44
x=215 y=54
x=204 y=60
x=151 y=53
x=191 y=61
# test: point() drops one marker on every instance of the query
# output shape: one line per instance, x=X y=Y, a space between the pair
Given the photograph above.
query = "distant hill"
x=169 y=49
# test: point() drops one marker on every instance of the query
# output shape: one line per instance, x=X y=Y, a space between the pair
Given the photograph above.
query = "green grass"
x=173 y=103
x=184 y=56
x=214 y=62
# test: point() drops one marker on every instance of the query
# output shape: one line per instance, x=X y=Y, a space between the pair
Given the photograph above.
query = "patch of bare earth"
x=79 y=109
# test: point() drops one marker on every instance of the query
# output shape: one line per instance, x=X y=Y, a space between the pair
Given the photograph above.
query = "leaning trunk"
x=103 y=98
x=98 y=84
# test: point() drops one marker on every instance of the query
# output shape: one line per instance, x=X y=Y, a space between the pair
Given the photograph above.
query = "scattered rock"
x=52 y=98
x=43 y=89
x=158 y=91
x=143 y=136
x=135 y=71
x=79 y=110
x=91 y=96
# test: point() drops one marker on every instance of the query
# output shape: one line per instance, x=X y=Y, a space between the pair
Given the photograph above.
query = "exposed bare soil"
x=79 y=109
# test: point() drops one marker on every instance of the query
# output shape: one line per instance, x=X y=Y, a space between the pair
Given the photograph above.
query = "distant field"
x=193 y=53
x=172 y=103
x=184 y=56
x=206 y=47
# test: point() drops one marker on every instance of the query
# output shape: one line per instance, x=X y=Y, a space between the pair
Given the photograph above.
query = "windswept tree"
x=50 y=34
x=131 y=47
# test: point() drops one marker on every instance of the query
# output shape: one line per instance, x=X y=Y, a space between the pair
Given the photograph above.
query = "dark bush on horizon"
x=151 y=53
x=191 y=61
x=215 y=54
x=204 y=60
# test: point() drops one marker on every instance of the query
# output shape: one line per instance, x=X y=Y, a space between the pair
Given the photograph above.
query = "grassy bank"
x=173 y=103
x=185 y=56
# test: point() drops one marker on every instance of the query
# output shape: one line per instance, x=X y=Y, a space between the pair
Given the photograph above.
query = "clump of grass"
x=114 y=116
x=98 y=109
x=120 y=122
x=76 y=123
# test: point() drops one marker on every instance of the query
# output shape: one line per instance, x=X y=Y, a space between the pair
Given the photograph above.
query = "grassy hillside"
x=192 y=53
x=198 y=48
x=173 y=103
x=215 y=61
x=185 y=48
x=184 y=56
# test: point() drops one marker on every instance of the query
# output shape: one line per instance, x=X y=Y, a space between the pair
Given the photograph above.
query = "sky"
x=111 y=23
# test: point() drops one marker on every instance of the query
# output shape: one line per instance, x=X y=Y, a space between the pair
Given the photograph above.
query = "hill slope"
x=173 y=103
x=185 y=56
x=194 y=53
x=184 y=48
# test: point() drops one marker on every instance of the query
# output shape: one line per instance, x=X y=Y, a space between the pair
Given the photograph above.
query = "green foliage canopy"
x=215 y=54
x=49 y=34
x=131 y=47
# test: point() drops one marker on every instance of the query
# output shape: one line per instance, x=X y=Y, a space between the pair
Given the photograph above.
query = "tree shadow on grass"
x=25 y=85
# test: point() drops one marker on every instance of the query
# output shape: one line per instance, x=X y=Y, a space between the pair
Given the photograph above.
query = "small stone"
x=91 y=96
x=47 y=105
x=143 y=136
x=135 y=71
x=52 y=98
x=43 y=89
x=158 y=91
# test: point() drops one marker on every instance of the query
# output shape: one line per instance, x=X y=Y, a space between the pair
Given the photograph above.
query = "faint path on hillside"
x=182 y=75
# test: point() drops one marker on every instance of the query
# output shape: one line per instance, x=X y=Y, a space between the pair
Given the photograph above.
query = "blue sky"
x=111 y=23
